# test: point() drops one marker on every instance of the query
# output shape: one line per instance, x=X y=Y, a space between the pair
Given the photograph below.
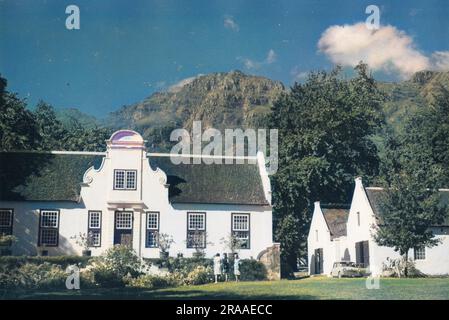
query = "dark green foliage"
x=18 y=128
x=62 y=261
x=414 y=167
x=107 y=278
x=22 y=129
x=325 y=128
x=408 y=208
x=183 y=265
x=252 y=270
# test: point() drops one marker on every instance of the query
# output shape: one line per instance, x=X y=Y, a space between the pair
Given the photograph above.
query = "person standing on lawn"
x=225 y=265
x=236 y=267
x=217 y=267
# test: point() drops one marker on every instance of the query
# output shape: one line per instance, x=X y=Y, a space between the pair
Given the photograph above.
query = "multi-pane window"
x=125 y=179
x=6 y=221
x=196 y=230
x=123 y=220
x=241 y=230
x=152 y=229
x=49 y=228
x=94 y=228
x=420 y=253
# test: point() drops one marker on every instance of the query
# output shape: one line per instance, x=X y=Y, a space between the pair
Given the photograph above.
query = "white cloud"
x=179 y=85
x=297 y=74
x=387 y=49
x=229 y=23
x=271 y=57
x=254 y=65
x=440 y=60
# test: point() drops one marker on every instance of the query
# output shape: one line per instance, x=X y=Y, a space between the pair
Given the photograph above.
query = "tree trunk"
x=406 y=264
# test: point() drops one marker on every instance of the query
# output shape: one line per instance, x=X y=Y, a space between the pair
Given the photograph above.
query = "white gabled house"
x=353 y=239
x=327 y=238
x=126 y=196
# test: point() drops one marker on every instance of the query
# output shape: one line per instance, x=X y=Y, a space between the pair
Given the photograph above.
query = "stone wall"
x=271 y=258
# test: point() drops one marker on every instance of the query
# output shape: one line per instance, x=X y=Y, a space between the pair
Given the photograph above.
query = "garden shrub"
x=116 y=264
x=199 y=275
x=121 y=260
x=252 y=270
x=150 y=282
x=107 y=278
x=182 y=265
x=62 y=261
x=32 y=276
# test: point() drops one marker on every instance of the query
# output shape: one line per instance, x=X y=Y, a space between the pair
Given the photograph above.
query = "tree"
x=51 y=131
x=325 y=127
x=407 y=211
x=424 y=145
x=18 y=129
x=413 y=168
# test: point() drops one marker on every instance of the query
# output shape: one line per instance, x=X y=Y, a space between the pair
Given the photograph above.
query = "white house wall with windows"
x=348 y=236
x=126 y=196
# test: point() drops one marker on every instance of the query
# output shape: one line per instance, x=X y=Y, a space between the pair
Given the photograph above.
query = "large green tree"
x=18 y=129
x=325 y=127
x=415 y=165
x=408 y=209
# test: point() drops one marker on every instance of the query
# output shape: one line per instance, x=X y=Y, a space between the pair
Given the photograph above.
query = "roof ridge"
x=98 y=153
x=162 y=154
x=152 y=154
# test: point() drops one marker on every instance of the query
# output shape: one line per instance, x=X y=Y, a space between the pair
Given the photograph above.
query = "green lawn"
x=310 y=288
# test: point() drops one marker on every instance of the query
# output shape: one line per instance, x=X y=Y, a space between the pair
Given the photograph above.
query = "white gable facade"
x=127 y=201
x=359 y=246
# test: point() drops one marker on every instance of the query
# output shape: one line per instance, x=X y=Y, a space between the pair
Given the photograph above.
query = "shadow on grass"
x=142 y=294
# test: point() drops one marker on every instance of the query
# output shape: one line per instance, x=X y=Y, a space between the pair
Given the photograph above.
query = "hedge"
x=62 y=261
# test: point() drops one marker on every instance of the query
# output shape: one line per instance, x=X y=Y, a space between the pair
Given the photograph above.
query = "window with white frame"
x=49 y=228
x=241 y=229
x=6 y=216
x=196 y=230
x=152 y=229
x=125 y=179
x=420 y=253
x=123 y=220
x=94 y=228
x=358 y=219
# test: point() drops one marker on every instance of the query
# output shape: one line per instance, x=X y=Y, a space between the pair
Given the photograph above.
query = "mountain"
x=234 y=99
x=70 y=115
x=219 y=100
x=406 y=97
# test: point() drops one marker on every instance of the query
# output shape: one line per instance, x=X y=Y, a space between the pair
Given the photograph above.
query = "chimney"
x=358 y=182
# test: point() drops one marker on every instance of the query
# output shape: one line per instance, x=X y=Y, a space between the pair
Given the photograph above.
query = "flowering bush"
x=200 y=275
x=32 y=276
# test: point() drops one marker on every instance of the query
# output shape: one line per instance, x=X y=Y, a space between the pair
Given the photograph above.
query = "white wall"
x=319 y=237
x=343 y=248
x=151 y=194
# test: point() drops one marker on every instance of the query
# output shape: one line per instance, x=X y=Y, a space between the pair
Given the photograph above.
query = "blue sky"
x=126 y=50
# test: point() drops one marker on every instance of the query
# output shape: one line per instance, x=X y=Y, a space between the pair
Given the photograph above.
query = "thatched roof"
x=58 y=177
x=336 y=219
x=375 y=195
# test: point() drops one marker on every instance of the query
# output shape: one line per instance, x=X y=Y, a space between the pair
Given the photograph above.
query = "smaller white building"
x=338 y=234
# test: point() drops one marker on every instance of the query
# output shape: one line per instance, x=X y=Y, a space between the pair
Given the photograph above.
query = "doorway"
x=362 y=253
x=123 y=228
x=319 y=261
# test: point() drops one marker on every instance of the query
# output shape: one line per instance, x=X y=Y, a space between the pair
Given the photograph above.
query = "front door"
x=319 y=261
x=123 y=228
x=362 y=253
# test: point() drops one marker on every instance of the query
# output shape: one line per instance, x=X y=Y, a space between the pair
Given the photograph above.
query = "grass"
x=309 y=288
